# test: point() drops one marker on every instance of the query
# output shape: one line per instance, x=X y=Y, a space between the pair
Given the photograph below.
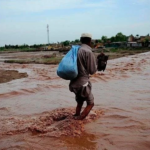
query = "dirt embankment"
x=8 y=75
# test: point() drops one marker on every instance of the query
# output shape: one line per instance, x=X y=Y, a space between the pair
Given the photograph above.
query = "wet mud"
x=55 y=123
x=9 y=75
x=36 y=111
x=58 y=124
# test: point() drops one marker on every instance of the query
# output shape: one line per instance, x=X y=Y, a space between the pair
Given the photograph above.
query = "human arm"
x=91 y=63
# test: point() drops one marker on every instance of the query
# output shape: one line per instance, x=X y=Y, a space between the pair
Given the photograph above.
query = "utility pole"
x=48 y=33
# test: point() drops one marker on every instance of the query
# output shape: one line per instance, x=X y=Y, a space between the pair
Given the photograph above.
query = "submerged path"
x=36 y=111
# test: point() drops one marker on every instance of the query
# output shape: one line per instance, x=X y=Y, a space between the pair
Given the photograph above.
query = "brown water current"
x=36 y=111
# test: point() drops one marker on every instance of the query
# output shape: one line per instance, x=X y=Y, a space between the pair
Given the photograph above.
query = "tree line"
x=119 y=37
x=23 y=46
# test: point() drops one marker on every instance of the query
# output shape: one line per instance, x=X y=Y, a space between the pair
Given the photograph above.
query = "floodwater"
x=36 y=112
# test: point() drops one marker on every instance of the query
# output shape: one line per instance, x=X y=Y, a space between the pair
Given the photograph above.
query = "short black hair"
x=85 y=40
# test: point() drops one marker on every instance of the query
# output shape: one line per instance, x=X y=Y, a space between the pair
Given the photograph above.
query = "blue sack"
x=67 y=68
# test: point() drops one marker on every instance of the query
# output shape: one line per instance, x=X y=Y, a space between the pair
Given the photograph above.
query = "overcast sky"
x=25 y=21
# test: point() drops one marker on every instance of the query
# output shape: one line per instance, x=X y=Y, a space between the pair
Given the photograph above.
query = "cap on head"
x=86 y=35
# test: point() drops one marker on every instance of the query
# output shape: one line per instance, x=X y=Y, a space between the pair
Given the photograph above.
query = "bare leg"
x=85 y=112
x=78 y=109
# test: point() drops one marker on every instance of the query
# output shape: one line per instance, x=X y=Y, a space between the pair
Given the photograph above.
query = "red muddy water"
x=36 y=111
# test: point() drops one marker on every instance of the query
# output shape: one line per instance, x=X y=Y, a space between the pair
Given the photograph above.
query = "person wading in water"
x=81 y=85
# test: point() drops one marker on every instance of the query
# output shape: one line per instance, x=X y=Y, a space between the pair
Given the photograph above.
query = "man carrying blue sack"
x=81 y=85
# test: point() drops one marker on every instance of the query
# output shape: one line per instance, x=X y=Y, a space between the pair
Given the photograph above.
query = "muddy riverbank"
x=9 y=75
x=43 y=57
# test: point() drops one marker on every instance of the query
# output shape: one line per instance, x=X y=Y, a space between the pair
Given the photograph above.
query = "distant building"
x=134 y=44
x=141 y=41
x=131 y=38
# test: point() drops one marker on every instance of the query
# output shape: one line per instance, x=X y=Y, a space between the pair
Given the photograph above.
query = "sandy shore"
x=36 y=111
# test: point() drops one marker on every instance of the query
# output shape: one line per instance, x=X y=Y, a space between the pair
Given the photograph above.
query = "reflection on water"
x=85 y=141
x=27 y=141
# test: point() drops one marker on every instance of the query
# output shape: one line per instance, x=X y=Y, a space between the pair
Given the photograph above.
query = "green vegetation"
x=52 y=60
x=114 y=50
x=66 y=43
x=119 y=38
x=21 y=48
x=18 y=50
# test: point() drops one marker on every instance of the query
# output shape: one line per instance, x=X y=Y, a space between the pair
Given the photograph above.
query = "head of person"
x=86 y=38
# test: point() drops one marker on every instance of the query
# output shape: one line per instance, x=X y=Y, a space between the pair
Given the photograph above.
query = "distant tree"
x=112 y=39
x=72 y=42
x=34 y=46
x=120 y=37
x=99 y=41
x=6 y=46
x=104 y=39
x=77 y=41
x=146 y=42
x=2 y=48
x=16 y=46
x=96 y=41
x=66 y=43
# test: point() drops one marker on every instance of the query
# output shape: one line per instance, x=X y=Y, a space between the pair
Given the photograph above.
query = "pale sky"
x=25 y=21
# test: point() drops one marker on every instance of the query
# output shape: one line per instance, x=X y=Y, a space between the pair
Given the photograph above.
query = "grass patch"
x=18 y=50
x=114 y=50
x=53 y=60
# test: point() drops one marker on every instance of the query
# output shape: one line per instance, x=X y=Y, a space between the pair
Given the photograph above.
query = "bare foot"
x=85 y=112
x=75 y=115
